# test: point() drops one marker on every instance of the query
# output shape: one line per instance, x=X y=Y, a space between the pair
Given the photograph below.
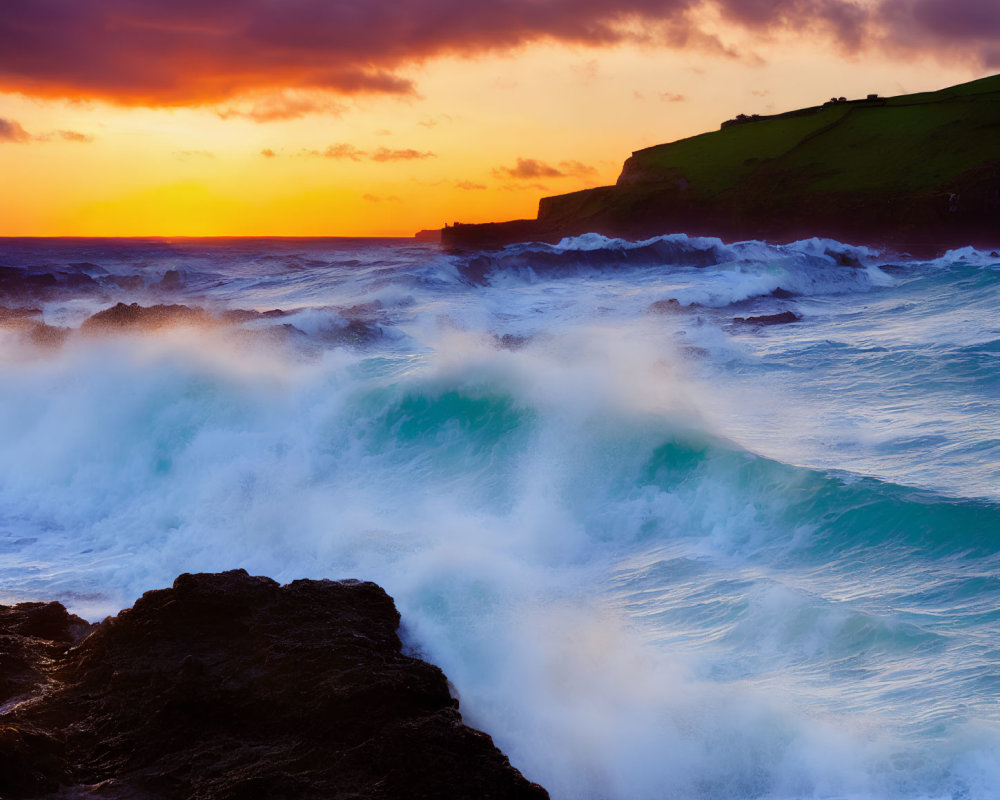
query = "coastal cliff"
x=231 y=686
x=919 y=172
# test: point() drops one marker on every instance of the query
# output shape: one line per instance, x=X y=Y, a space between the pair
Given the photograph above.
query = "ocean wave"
x=726 y=273
x=755 y=570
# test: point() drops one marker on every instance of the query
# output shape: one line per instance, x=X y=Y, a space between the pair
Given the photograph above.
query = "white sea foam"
x=633 y=605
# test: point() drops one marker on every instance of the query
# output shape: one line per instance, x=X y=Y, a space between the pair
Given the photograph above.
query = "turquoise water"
x=659 y=553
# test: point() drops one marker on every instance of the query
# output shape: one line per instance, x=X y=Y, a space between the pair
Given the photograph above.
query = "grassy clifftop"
x=908 y=142
x=920 y=169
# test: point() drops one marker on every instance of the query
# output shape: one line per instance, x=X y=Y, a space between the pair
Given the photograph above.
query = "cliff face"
x=231 y=686
x=919 y=172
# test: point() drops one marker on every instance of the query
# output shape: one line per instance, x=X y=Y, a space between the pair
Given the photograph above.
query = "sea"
x=678 y=518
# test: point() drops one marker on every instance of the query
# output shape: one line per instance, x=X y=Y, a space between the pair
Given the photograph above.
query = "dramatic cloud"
x=385 y=154
x=528 y=169
x=171 y=52
x=11 y=131
x=973 y=25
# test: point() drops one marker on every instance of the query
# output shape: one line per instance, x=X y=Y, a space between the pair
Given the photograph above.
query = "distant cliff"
x=918 y=172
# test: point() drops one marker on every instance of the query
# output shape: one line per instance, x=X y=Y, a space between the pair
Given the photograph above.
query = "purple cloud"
x=173 y=52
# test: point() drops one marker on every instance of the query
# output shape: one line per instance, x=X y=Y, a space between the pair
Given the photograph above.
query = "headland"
x=916 y=172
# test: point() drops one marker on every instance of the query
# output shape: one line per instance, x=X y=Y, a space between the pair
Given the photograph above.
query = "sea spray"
x=650 y=569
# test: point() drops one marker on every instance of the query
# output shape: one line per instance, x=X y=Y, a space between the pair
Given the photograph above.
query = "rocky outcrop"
x=29 y=325
x=232 y=686
x=134 y=316
x=30 y=284
x=783 y=318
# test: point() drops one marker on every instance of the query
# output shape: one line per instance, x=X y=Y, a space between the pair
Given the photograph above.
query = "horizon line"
x=207 y=236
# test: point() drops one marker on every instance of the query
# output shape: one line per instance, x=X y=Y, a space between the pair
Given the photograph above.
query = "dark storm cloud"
x=162 y=52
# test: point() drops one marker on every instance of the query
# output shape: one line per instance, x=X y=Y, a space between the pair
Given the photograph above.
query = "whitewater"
x=660 y=552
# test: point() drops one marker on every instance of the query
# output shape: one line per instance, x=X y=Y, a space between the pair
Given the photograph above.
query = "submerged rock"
x=134 y=316
x=171 y=282
x=511 y=341
x=232 y=686
x=10 y=315
x=668 y=306
x=770 y=319
x=132 y=283
x=29 y=325
x=238 y=316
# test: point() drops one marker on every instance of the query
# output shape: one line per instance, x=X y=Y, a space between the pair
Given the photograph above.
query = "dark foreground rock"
x=231 y=686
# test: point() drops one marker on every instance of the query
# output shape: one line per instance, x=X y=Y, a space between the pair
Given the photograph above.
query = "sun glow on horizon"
x=484 y=140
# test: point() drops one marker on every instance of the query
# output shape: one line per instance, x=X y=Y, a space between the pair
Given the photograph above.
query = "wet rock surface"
x=133 y=315
x=784 y=318
x=29 y=325
x=232 y=686
x=668 y=306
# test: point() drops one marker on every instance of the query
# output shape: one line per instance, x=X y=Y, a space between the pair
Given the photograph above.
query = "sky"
x=383 y=117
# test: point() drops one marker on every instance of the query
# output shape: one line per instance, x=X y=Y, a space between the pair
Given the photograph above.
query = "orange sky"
x=478 y=138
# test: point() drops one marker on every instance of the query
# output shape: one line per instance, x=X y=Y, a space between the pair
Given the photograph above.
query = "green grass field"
x=912 y=143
